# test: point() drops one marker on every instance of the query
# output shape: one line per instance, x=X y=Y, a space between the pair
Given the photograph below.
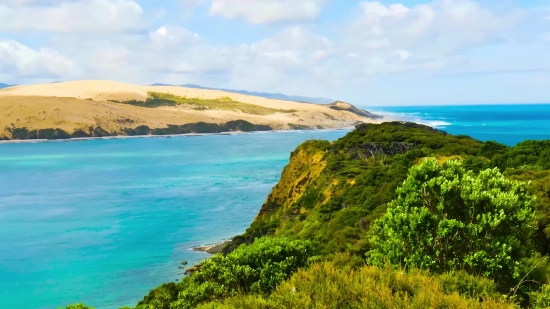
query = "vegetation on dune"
x=294 y=126
x=396 y=215
x=199 y=127
x=158 y=99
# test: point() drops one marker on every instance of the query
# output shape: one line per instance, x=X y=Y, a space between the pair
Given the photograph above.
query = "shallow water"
x=104 y=221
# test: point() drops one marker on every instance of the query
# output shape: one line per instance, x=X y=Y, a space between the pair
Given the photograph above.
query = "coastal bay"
x=104 y=221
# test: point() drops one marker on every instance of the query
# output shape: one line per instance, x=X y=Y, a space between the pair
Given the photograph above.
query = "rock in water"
x=212 y=249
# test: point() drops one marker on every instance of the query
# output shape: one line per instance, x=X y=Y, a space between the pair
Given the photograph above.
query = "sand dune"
x=80 y=104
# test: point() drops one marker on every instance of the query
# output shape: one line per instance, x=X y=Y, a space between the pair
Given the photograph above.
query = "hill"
x=310 y=243
x=106 y=108
x=275 y=96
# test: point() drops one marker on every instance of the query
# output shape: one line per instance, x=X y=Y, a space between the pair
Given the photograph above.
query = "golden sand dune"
x=113 y=106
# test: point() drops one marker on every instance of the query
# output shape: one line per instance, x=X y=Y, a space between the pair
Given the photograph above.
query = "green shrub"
x=327 y=286
x=78 y=306
x=541 y=298
x=447 y=219
x=255 y=268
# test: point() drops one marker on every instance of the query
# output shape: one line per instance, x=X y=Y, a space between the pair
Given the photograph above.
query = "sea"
x=104 y=221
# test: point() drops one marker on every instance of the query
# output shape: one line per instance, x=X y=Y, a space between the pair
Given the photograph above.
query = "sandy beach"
x=76 y=105
x=161 y=136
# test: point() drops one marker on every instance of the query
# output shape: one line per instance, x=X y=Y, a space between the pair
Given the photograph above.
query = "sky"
x=369 y=53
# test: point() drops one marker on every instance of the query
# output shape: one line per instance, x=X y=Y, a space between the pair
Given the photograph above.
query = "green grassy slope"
x=308 y=243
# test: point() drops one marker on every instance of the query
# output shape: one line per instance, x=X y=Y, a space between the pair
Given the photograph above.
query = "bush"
x=77 y=306
x=326 y=286
x=255 y=268
x=447 y=219
x=541 y=298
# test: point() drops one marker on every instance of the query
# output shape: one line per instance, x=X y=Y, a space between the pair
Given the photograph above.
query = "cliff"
x=322 y=215
x=331 y=192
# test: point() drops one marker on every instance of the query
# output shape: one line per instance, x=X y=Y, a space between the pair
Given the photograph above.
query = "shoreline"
x=214 y=247
x=22 y=141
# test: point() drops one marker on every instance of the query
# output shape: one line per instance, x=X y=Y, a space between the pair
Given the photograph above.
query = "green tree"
x=447 y=218
x=255 y=268
x=78 y=306
x=541 y=299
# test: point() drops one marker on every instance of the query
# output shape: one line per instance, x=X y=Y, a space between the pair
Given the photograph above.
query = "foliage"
x=295 y=126
x=77 y=306
x=330 y=197
x=492 y=148
x=447 y=218
x=476 y=164
x=327 y=286
x=360 y=175
x=158 y=99
x=199 y=127
x=541 y=298
x=256 y=268
x=525 y=153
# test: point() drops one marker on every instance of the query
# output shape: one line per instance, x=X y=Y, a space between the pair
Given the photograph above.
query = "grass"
x=158 y=99
x=325 y=285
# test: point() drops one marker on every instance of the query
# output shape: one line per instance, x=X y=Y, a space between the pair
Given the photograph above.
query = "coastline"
x=20 y=141
x=213 y=248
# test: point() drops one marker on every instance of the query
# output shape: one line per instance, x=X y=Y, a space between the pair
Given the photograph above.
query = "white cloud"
x=20 y=60
x=171 y=37
x=193 y=3
x=426 y=37
x=441 y=37
x=71 y=16
x=441 y=27
x=267 y=11
x=294 y=46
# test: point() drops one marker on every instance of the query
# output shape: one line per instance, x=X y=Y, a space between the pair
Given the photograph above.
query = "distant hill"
x=103 y=108
x=2 y=86
x=276 y=96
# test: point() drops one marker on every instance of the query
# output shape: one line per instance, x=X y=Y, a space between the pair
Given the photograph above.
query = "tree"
x=77 y=306
x=255 y=268
x=447 y=218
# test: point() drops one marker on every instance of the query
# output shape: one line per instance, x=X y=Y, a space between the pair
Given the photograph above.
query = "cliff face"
x=331 y=192
x=305 y=166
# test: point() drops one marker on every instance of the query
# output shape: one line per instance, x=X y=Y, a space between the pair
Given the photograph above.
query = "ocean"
x=104 y=221
x=507 y=124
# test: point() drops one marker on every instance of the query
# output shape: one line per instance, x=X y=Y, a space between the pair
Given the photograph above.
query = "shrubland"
x=395 y=215
x=158 y=99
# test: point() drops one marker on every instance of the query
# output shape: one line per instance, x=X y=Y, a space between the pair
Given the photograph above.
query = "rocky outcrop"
x=212 y=249
x=343 y=106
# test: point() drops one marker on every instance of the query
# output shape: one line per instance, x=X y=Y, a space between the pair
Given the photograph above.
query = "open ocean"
x=507 y=124
x=104 y=221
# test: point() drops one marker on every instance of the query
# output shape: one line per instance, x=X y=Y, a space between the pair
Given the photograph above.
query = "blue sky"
x=370 y=53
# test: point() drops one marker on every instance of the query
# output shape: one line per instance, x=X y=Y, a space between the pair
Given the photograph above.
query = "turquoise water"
x=104 y=221
x=508 y=124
